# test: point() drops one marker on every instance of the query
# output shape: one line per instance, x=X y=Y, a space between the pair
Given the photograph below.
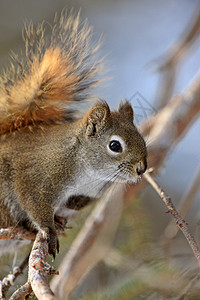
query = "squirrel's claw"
x=52 y=241
x=53 y=246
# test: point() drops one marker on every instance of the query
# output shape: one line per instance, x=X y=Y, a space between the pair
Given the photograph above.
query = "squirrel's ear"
x=126 y=110
x=97 y=117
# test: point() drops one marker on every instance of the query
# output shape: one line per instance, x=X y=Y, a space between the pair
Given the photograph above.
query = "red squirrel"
x=50 y=161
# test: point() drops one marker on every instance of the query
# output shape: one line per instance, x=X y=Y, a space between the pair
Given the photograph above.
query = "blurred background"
x=138 y=37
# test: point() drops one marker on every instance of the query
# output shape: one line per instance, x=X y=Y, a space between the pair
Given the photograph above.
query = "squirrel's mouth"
x=131 y=173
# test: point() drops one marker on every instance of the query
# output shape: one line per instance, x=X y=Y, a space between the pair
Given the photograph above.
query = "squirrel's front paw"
x=52 y=240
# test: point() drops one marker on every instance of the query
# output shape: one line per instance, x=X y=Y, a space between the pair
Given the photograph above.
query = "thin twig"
x=183 y=226
x=184 y=205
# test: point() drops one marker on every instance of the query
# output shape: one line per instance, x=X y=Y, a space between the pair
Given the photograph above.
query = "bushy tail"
x=56 y=70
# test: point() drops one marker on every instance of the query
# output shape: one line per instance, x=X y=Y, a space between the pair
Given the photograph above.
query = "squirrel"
x=52 y=161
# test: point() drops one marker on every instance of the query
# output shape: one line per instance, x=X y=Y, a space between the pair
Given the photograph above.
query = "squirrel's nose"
x=141 y=167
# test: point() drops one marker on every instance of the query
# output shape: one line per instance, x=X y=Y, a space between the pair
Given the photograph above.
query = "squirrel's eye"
x=115 y=146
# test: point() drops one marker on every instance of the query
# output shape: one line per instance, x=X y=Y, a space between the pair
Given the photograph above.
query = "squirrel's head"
x=115 y=148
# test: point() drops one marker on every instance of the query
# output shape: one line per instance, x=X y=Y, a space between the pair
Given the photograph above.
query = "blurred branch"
x=168 y=68
x=183 y=226
x=188 y=287
x=8 y=281
x=91 y=244
x=139 y=278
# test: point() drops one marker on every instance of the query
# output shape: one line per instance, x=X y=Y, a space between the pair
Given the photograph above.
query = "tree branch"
x=39 y=269
x=169 y=66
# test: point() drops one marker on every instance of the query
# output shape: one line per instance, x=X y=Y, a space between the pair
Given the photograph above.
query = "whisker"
x=110 y=178
x=115 y=175
x=99 y=181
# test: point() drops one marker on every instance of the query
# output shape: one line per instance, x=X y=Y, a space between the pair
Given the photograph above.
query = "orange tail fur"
x=56 y=72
